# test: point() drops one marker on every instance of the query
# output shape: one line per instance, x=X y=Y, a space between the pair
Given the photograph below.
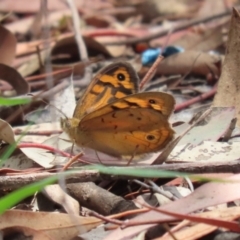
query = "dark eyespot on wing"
x=152 y=101
x=121 y=76
x=150 y=137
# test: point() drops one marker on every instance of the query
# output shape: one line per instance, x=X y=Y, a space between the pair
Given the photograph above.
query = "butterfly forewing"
x=162 y=103
x=110 y=84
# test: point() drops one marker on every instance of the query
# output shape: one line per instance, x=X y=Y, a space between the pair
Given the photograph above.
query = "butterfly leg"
x=133 y=155
x=98 y=157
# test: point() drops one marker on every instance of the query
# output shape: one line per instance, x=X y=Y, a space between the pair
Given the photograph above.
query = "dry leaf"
x=56 y=194
x=6 y=132
x=14 y=78
x=7 y=46
x=209 y=194
x=191 y=231
x=190 y=62
x=56 y=225
x=206 y=151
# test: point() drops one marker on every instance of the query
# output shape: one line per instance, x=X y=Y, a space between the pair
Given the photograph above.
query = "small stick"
x=151 y=71
x=71 y=161
x=83 y=55
x=196 y=99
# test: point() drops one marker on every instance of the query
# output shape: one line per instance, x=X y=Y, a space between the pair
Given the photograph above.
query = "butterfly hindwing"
x=125 y=128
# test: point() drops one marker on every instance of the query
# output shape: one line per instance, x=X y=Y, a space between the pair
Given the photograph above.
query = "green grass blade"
x=14 y=101
x=15 y=197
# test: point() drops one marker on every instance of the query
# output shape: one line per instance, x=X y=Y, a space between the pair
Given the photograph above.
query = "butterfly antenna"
x=60 y=111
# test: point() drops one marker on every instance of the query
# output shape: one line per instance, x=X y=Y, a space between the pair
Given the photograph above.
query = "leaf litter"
x=48 y=69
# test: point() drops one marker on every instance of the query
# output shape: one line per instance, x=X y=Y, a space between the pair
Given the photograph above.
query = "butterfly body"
x=113 y=118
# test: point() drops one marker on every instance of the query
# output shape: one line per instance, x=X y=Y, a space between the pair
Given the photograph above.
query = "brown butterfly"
x=114 y=118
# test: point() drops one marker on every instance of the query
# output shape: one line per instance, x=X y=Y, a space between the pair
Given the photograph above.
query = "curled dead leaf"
x=8 y=44
x=14 y=78
x=192 y=62
x=6 y=132
x=66 y=50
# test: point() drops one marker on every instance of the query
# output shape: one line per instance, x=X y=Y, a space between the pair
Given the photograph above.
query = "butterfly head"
x=69 y=125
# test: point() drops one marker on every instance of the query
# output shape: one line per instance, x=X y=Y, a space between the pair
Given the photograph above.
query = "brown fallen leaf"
x=192 y=62
x=188 y=230
x=209 y=194
x=66 y=48
x=14 y=78
x=56 y=225
x=228 y=92
x=24 y=233
x=8 y=44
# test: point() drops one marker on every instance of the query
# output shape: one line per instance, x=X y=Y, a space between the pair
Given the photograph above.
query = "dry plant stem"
x=229 y=131
x=54 y=73
x=176 y=29
x=77 y=26
x=234 y=226
x=200 y=98
x=46 y=44
x=17 y=181
x=38 y=133
x=154 y=188
x=128 y=213
x=43 y=146
x=83 y=54
x=43 y=95
x=151 y=72
x=111 y=219
x=106 y=219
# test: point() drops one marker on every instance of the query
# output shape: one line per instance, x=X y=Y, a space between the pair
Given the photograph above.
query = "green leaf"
x=14 y=101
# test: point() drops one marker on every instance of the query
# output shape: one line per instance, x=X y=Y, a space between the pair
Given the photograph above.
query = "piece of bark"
x=20 y=180
x=228 y=92
x=91 y=196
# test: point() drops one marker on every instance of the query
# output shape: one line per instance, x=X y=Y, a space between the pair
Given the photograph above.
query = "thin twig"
x=43 y=146
x=151 y=71
x=196 y=99
x=71 y=161
x=77 y=26
x=176 y=29
x=20 y=180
